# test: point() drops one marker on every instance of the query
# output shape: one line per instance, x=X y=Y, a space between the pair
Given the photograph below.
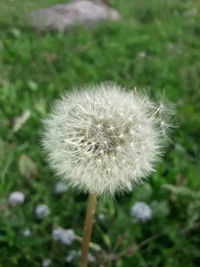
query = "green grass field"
x=156 y=47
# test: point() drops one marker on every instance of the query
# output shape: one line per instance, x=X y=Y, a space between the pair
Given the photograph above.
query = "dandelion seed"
x=119 y=148
x=16 y=198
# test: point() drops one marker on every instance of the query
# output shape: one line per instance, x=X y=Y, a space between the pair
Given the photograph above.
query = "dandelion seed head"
x=103 y=139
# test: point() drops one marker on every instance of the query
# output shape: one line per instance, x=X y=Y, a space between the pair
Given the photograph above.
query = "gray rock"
x=62 y=16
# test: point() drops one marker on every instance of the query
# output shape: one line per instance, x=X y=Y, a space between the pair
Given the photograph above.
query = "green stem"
x=87 y=229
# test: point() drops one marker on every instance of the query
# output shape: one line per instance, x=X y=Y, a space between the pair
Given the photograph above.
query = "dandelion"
x=42 y=211
x=104 y=140
x=16 y=198
x=141 y=212
x=65 y=236
x=60 y=188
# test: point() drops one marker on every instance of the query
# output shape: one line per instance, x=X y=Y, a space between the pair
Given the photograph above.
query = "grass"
x=155 y=46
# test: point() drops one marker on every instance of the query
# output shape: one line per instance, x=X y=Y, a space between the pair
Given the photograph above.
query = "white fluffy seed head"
x=103 y=139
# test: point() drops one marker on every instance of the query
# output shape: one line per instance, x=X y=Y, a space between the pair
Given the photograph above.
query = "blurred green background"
x=156 y=47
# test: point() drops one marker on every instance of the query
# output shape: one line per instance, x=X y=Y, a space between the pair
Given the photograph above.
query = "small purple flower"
x=65 y=236
x=57 y=233
x=60 y=188
x=101 y=216
x=75 y=254
x=16 y=198
x=142 y=54
x=46 y=263
x=26 y=232
x=42 y=211
x=141 y=211
x=72 y=255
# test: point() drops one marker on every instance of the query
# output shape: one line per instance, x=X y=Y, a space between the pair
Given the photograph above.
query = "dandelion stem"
x=87 y=229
